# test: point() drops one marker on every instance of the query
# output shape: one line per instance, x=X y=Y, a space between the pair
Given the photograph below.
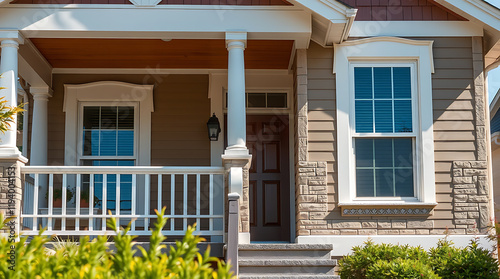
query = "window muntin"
x=384 y=141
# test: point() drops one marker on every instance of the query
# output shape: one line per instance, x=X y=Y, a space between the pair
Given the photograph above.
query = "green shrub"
x=92 y=259
x=356 y=265
x=401 y=268
x=469 y=262
x=393 y=261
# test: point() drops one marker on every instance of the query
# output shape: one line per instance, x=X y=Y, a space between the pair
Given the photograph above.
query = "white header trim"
x=390 y=48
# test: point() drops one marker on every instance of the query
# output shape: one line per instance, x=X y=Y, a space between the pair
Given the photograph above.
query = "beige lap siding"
x=455 y=140
x=178 y=124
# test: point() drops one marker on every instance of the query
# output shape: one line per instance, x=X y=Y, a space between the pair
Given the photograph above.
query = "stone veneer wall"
x=470 y=196
x=10 y=201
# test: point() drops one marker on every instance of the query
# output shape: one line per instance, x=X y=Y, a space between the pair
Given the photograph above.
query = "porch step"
x=286 y=261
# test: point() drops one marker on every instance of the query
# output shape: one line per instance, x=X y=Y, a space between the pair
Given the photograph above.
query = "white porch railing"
x=190 y=194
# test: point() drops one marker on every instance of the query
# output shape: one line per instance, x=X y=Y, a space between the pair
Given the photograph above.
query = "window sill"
x=387 y=208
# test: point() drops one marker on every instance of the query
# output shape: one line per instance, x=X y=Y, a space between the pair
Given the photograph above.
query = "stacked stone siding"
x=10 y=191
x=311 y=198
x=471 y=196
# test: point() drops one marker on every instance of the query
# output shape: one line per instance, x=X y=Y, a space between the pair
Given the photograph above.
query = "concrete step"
x=285 y=251
x=287 y=266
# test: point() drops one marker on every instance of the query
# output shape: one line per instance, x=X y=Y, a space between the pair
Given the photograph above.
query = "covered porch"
x=122 y=142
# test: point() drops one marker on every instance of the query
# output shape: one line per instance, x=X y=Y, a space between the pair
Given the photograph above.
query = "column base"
x=236 y=152
x=244 y=238
x=12 y=153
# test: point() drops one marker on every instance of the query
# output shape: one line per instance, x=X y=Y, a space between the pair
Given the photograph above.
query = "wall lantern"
x=213 y=126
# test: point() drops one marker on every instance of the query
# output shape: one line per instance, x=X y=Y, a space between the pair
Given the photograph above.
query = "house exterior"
x=340 y=120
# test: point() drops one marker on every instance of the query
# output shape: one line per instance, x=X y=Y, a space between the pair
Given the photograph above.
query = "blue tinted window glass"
x=392 y=174
x=384 y=179
x=402 y=82
x=404 y=182
x=363 y=82
x=383 y=83
x=383 y=117
x=364 y=183
x=364 y=117
x=108 y=143
x=403 y=153
x=383 y=153
x=364 y=152
x=402 y=116
x=125 y=143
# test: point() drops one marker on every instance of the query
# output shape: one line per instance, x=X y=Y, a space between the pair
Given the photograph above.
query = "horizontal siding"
x=453 y=112
x=178 y=124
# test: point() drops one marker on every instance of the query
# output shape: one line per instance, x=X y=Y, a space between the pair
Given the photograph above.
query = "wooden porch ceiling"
x=154 y=53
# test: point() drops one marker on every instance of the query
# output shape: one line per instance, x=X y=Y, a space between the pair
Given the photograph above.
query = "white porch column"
x=9 y=73
x=40 y=125
x=236 y=111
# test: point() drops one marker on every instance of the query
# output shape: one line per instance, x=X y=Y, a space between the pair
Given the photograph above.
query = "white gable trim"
x=477 y=9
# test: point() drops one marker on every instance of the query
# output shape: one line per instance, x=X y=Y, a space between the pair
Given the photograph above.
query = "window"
x=384 y=138
x=108 y=136
x=384 y=122
x=255 y=100
x=108 y=123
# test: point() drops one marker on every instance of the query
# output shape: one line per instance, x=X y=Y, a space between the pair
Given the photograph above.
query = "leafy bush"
x=393 y=261
x=356 y=265
x=92 y=259
x=471 y=262
x=401 y=268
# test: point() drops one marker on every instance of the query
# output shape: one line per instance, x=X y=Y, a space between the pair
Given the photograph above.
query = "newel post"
x=233 y=232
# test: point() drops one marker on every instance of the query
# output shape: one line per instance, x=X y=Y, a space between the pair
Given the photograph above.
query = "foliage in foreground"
x=92 y=259
x=403 y=261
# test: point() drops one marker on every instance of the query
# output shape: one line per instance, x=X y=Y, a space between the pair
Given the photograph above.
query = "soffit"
x=159 y=54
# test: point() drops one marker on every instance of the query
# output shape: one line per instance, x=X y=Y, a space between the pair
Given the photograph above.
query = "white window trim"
x=385 y=50
x=107 y=93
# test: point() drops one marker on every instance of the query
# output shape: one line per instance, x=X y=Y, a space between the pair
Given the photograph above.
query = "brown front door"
x=267 y=141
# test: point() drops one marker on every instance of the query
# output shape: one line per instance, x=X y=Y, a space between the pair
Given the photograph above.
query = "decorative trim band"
x=417 y=211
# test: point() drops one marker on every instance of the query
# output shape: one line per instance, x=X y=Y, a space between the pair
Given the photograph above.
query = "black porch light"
x=213 y=126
